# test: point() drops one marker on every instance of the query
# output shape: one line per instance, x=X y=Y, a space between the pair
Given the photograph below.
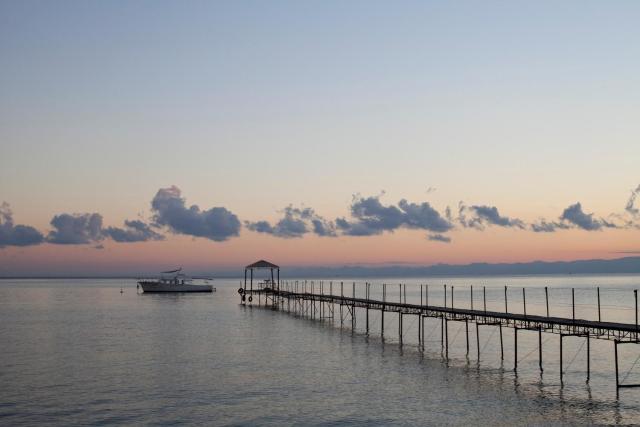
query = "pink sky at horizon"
x=401 y=247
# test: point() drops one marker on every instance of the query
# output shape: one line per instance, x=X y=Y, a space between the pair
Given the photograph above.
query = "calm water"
x=78 y=352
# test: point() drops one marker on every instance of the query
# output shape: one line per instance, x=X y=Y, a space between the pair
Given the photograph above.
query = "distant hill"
x=595 y=266
x=628 y=265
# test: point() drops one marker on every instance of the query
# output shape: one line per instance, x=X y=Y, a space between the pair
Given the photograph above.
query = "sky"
x=139 y=136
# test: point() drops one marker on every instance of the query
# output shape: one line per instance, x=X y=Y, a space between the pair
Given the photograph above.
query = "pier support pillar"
x=615 y=350
x=561 y=380
x=478 y=339
x=540 y=349
x=515 y=349
x=367 y=319
x=466 y=327
x=588 y=358
x=420 y=330
x=353 y=317
x=501 y=343
x=446 y=339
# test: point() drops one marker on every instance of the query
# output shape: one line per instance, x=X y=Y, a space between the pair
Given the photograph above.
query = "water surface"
x=79 y=352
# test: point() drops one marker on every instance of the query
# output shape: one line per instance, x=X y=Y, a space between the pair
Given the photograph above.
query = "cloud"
x=482 y=215
x=76 y=229
x=439 y=238
x=323 y=228
x=371 y=217
x=16 y=235
x=296 y=222
x=216 y=224
x=577 y=217
x=134 y=231
x=544 y=226
x=631 y=203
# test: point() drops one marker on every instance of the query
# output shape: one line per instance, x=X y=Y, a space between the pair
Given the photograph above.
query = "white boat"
x=174 y=281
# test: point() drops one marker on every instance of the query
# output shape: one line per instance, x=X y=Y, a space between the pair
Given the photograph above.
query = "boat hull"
x=153 y=287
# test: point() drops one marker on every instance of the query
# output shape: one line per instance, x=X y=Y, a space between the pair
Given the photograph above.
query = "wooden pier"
x=318 y=302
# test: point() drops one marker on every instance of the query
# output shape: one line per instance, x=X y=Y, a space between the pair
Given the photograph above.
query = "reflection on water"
x=79 y=352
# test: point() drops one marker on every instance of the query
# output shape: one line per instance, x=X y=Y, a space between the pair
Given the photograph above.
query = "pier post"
x=561 y=379
x=598 y=290
x=635 y=295
x=251 y=294
x=588 y=358
x=419 y=330
x=333 y=306
x=501 y=343
x=321 y=300
x=367 y=294
x=324 y=303
x=446 y=333
x=506 y=307
x=524 y=302
x=478 y=339
x=405 y=293
x=573 y=308
x=515 y=349
x=275 y=299
x=426 y=295
x=442 y=332
x=471 y=297
x=546 y=298
x=400 y=326
x=445 y=296
x=484 y=298
x=341 y=301
x=384 y=299
x=615 y=349
x=540 y=348
x=421 y=323
x=251 y=285
x=466 y=327
x=452 y=297
x=353 y=308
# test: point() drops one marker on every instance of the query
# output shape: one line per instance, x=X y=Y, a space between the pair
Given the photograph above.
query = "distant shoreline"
x=618 y=266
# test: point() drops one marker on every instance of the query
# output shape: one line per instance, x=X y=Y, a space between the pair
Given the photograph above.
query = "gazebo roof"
x=261 y=264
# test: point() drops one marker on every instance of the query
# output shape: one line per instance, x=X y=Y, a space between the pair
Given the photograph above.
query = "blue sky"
x=252 y=106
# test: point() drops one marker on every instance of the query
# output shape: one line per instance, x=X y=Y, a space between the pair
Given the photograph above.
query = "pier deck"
x=601 y=330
